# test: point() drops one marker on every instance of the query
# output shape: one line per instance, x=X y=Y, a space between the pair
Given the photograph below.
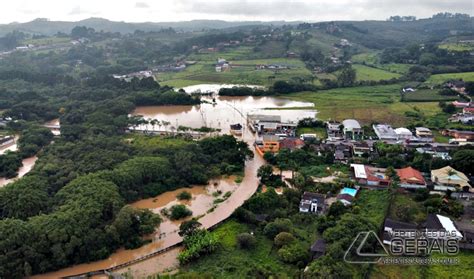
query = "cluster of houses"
x=464 y=117
x=273 y=134
x=441 y=180
x=139 y=75
x=280 y=66
x=369 y=177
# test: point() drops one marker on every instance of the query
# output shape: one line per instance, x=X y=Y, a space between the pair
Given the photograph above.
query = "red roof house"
x=291 y=143
x=411 y=178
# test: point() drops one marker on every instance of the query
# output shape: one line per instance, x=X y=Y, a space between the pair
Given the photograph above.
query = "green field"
x=427 y=95
x=367 y=104
x=373 y=204
x=462 y=270
x=369 y=58
x=370 y=73
x=457 y=46
x=440 y=78
x=417 y=210
x=47 y=41
x=204 y=72
x=395 y=67
x=397 y=272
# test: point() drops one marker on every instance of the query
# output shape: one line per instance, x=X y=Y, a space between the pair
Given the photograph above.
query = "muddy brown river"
x=228 y=110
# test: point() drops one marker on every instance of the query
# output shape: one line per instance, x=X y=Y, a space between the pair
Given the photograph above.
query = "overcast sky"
x=231 y=10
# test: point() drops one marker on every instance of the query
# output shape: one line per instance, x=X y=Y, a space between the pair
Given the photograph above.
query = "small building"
x=439 y=223
x=269 y=143
x=457 y=85
x=291 y=143
x=385 y=132
x=334 y=130
x=360 y=148
x=391 y=227
x=313 y=203
x=468 y=110
x=352 y=129
x=236 y=129
x=6 y=140
x=436 y=152
x=257 y=122
x=461 y=104
x=403 y=133
x=342 y=152
x=370 y=176
x=448 y=178
x=318 y=249
x=308 y=137
x=424 y=134
x=411 y=178
x=347 y=196
x=457 y=134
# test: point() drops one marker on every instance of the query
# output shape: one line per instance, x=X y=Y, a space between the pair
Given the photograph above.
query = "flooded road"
x=28 y=164
x=240 y=194
x=228 y=110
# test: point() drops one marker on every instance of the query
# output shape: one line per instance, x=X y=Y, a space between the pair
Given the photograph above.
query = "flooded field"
x=226 y=111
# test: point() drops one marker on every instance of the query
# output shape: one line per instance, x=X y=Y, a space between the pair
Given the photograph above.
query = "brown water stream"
x=28 y=164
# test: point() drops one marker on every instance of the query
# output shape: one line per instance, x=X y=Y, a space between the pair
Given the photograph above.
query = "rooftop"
x=410 y=174
x=351 y=124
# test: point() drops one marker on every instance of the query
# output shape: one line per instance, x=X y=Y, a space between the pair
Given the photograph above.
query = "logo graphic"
x=366 y=248
x=406 y=247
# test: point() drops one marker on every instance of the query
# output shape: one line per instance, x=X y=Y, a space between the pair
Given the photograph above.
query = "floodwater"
x=228 y=110
x=28 y=164
x=13 y=146
x=241 y=193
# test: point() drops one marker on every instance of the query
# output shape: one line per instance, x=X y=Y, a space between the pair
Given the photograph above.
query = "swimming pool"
x=349 y=191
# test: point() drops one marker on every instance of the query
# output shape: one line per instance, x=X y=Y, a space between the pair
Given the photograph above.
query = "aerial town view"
x=237 y=139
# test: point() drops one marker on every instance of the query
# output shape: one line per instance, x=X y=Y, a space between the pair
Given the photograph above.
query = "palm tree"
x=153 y=123
x=166 y=124
x=450 y=173
x=158 y=122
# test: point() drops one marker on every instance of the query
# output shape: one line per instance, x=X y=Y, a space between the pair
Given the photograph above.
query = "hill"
x=46 y=27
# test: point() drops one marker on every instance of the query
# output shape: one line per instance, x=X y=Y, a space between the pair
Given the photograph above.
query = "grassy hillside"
x=440 y=78
x=367 y=104
x=243 y=72
x=427 y=95
x=370 y=73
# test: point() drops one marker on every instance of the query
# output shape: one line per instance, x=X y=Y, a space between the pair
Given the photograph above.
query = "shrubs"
x=179 y=211
x=283 y=238
x=199 y=243
x=293 y=253
x=277 y=226
x=246 y=241
x=184 y=195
